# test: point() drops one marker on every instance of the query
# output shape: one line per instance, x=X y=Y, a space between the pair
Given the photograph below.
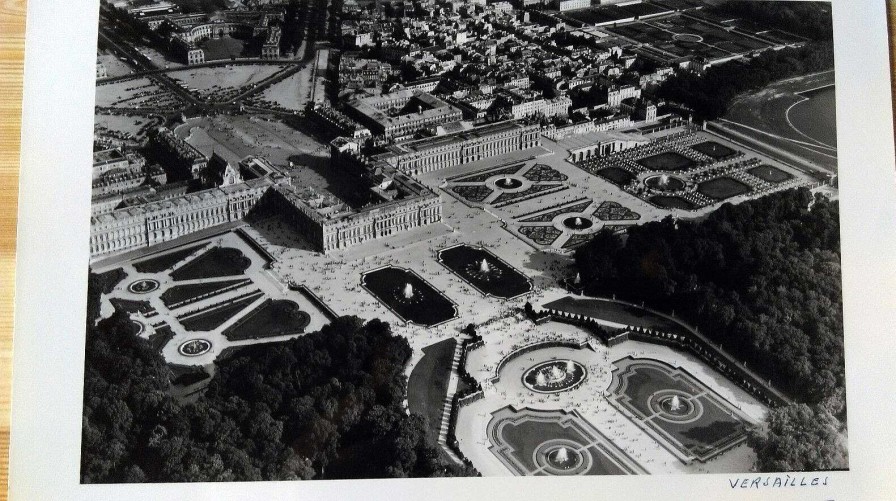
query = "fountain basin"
x=578 y=223
x=409 y=296
x=554 y=376
x=664 y=183
x=495 y=277
x=508 y=183
x=195 y=347
x=564 y=458
x=143 y=286
x=675 y=406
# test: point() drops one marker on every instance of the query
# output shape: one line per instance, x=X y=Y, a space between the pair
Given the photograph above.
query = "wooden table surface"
x=12 y=47
x=12 y=52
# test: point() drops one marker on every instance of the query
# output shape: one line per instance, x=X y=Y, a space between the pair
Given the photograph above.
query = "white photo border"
x=52 y=252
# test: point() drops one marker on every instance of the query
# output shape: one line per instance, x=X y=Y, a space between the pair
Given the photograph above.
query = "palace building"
x=156 y=222
x=439 y=152
x=325 y=221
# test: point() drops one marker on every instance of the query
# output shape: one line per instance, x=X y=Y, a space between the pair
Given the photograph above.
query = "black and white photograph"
x=346 y=239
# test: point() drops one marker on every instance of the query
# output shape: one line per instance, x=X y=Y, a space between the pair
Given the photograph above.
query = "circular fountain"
x=554 y=376
x=195 y=347
x=508 y=183
x=578 y=223
x=676 y=406
x=562 y=457
x=143 y=286
x=688 y=38
x=664 y=183
x=407 y=295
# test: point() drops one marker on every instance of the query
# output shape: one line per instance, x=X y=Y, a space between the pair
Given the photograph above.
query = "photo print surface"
x=336 y=239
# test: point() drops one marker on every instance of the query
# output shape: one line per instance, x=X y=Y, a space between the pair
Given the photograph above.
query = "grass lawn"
x=130 y=306
x=668 y=160
x=428 y=384
x=770 y=174
x=616 y=175
x=218 y=262
x=108 y=280
x=161 y=263
x=211 y=319
x=713 y=149
x=180 y=293
x=271 y=318
x=160 y=338
x=615 y=312
x=671 y=202
x=722 y=188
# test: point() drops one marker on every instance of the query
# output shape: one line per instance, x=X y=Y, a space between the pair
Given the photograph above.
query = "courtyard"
x=221 y=82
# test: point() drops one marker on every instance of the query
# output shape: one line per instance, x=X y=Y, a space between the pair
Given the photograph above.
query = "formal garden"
x=677 y=408
x=554 y=442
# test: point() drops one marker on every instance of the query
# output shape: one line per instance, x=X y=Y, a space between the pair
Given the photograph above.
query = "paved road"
x=146 y=68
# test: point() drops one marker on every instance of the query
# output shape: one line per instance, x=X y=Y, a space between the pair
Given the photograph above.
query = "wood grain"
x=12 y=54
x=12 y=51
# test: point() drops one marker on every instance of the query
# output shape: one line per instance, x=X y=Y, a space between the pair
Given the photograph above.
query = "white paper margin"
x=52 y=253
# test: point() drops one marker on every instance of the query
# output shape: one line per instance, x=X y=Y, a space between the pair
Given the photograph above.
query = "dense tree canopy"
x=799 y=438
x=809 y=19
x=325 y=405
x=709 y=94
x=762 y=278
x=206 y=6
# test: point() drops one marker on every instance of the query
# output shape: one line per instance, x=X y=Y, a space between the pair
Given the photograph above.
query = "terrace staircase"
x=449 y=399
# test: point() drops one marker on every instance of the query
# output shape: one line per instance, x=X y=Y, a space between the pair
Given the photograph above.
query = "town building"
x=600 y=144
x=565 y=5
x=402 y=113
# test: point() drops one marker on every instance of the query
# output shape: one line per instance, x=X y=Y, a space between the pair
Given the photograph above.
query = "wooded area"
x=325 y=405
x=761 y=278
x=709 y=94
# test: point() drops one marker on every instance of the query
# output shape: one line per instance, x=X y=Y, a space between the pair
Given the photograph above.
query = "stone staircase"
x=449 y=398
